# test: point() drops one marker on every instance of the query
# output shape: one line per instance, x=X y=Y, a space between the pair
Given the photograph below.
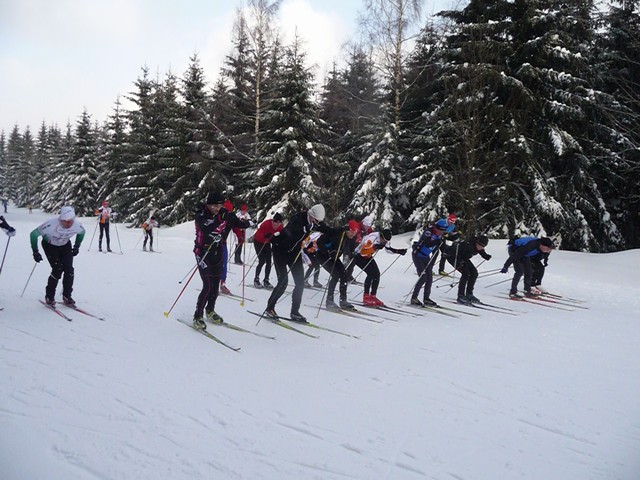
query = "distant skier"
x=425 y=253
x=148 y=227
x=364 y=259
x=104 y=216
x=213 y=224
x=4 y=204
x=459 y=256
x=521 y=251
x=262 y=244
x=56 y=242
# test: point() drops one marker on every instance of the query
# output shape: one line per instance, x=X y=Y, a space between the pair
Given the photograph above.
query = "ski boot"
x=298 y=317
x=213 y=317
x=198 y=323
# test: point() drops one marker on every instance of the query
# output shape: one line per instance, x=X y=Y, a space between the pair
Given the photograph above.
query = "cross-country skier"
x=365 y=260
x=451 y=234
x=287 y=257
x=148 y=227
x=521 y=251
x=328 y=256
x=213 y=224
x=262 y=244
x=56 y=242
x=425 y=253
x=105 y=214
x=459 y=256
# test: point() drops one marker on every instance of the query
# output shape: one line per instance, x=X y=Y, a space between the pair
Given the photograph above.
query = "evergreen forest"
x=520 y=116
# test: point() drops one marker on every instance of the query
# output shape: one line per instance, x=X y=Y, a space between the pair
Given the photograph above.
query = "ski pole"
x=244 y=273
x=166 y=314
x=190 y=270
x=326 y=288
x=5 y=254
x=94 y=235
x=428 y=266
x=252 y=263
x=498 y=283
x=138 y=242
x=25 y=285
x=118 y=236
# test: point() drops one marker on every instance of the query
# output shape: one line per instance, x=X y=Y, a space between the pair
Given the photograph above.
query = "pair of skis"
x=60 y=313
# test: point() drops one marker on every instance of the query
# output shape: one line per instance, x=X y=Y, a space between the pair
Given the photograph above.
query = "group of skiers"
x=307 y=236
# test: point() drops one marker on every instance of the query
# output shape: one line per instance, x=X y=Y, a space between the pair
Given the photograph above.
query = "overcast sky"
x=59 y=56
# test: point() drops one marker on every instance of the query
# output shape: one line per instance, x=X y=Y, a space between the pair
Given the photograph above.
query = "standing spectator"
x=262 y=244
x=148 y=227
x=4 y=204
x=104 y=217
x=56 y=242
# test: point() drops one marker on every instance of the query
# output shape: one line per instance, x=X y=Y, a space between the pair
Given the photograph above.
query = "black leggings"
x=370 y=267
x=337 y=271
x=283 y=261
x=210 y=270
x=425 y=272
x=263 y=251
x=61 y=261
x=468 y=276
x=104 y=231
x=522 y=267
x=148 y=235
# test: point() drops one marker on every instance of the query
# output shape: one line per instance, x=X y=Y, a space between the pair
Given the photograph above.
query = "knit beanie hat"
x=317 y=212
x=67 y=213
x=214 y=198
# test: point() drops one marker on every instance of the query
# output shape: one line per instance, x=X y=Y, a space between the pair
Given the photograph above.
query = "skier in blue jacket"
x=521 y=251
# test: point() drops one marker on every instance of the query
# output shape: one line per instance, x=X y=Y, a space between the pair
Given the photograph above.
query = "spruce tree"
x=293 y=158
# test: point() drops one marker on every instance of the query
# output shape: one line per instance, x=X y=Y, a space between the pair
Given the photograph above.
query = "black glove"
x=546 y=264
x=37 y=257
x=267 y=235
x=75 y=250
x=488 y=257
x=11 y=231
x=504 y=270
x=401 y=251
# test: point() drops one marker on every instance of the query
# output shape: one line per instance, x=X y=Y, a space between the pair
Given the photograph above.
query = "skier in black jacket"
x=213 y=224
x=459 y=256
x=329 y=257
x=287 y=256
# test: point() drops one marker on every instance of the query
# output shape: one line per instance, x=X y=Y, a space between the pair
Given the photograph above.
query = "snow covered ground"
x=547 y=394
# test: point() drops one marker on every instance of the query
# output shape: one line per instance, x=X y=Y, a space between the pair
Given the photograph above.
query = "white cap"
x=67 y=213
x=367 y=221
x=317 y=212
